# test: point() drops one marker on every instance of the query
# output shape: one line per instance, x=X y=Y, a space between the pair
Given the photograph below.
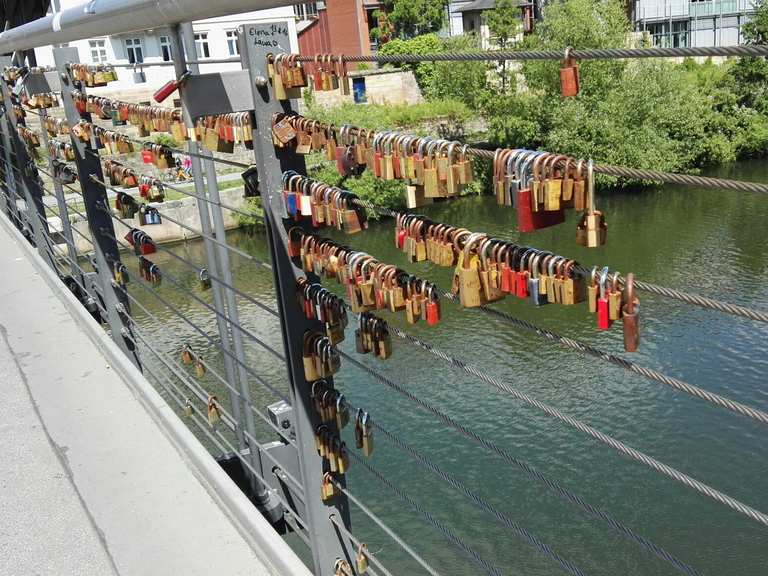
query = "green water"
x=709 y=242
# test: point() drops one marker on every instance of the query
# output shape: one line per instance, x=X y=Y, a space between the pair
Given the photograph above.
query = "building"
x=215 y=39
x=473 y=20
x=680 y=23
x=335 y=27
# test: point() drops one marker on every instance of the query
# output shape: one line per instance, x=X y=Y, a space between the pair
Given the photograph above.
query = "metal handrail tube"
x=109 y=17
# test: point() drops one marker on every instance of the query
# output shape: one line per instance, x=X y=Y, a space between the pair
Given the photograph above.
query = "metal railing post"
x=58 y=190
x=29 y=181
x=268 y=505
x=177 y=47
x=97 y=209
x=10 y=176
x=256 y=40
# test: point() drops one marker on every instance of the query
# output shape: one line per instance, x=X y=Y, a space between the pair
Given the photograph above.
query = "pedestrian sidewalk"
x=90 y=482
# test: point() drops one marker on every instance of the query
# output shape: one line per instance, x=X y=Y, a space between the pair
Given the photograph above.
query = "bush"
x=166 y=140
x=443 y=80
x=380 y=116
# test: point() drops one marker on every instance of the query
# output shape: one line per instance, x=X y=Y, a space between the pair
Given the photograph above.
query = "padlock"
x=569 y=75
x=631 y=315
x=361 y=558
x=603 y=313
x=214 y=416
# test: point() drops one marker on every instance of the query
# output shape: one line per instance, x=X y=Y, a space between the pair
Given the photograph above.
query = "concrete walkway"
x=90 y=483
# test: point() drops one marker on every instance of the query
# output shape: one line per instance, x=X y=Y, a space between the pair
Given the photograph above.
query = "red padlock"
x=603 y=312
x=169 y=88
x=147 y=157
x=569 y=76
x=433 y=306
x=507 y=275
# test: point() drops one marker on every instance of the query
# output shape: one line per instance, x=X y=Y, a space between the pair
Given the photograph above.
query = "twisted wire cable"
x=214 y=372
x=204 y=395
x=559 y=490
x=688 y=298
x=227 y=445
x=584 y=54
x=447 y=532
x=649 y=373
x=597 y=434
x=532 y=473
x=357 y=543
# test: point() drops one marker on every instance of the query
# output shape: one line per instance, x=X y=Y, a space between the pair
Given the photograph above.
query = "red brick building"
x=335 y=27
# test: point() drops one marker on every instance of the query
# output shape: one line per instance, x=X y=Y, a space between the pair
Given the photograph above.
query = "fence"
x=299 y=479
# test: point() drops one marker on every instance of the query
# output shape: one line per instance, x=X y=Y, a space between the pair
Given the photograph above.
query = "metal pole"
x=10 y=175
x=327 y=544
x=30 y=183
x=177 y=47
x=267 y=503
x=58 y=190
x=96 y=208
x=109 y=17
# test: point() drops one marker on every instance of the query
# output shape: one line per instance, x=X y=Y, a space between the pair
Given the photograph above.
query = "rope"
x=639 y=174
x=585 y=54
x=686 y=297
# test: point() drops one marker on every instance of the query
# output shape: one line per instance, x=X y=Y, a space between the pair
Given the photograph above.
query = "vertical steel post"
x=29 y=181
x=58 y=190
x=97 y=209
x=268 y=504
x=179 y=63
x=256 y=41
x=10 y=176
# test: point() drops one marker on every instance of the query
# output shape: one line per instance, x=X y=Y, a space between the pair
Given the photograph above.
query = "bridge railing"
x=292 y=455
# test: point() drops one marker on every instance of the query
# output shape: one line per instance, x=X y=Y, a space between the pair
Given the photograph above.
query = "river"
x=704 y=241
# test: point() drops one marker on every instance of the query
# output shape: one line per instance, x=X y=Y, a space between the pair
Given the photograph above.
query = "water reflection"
x=709 y=242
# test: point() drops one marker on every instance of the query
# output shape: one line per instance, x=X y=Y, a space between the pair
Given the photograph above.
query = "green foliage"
x=503 y=22
x=166 y=140
x=643 y=113
x=379 y=116
x=409 y=18
x=386 y=193
x=463 y=81
x=252 y=205
x=749 y=76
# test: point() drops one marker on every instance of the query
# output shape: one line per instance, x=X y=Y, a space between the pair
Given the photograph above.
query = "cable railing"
x=312 y=330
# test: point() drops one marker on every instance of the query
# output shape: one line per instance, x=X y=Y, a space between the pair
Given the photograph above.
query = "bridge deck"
x=89 y=482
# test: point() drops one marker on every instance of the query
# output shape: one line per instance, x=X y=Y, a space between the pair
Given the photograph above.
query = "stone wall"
x=381 y=86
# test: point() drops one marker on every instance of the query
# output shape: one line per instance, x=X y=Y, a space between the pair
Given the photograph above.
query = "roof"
x=480 y=5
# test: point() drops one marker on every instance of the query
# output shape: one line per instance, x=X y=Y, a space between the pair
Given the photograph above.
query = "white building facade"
x=215 y=39
x=682 y=23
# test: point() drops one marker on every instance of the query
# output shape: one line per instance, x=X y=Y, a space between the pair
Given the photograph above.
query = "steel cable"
x=694 y=299
x=474 y=497
x=583 y=54
x=230 y=448
x=532 y=473
x=447 y=532
x=204 y=396
x=357 y=543
x=213 y=371
x=608 y=440
x=649 y=373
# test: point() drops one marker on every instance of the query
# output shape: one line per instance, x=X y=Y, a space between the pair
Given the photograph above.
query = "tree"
x=749 y=76
x=410 y=18
x=503 y=24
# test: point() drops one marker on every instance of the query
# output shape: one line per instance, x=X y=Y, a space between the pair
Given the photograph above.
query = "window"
x=98 y=50
x=232 y=46
x=305 y=11
x=201 y=45
x=134 y=50
x=165 y=48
